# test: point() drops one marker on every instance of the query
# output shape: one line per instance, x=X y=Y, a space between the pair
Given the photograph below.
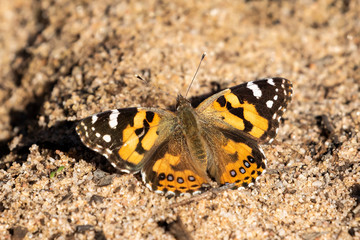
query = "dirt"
x=61 y=61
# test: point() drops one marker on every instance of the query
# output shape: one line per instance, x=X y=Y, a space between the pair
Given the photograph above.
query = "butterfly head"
x=182 y=102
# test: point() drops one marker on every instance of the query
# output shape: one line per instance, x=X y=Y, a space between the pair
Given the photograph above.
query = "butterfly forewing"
x=253 y=107
x=123 y=136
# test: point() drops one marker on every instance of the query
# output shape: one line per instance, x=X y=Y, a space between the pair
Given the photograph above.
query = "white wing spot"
x=113 y=119
x=262 y=151
x=271 y=140
x=276 y=90
x=85 y=127
x=169 y=193
x=277 y=130
x=276 y=97
x=274 y=116
x=121 y=170
x=86 y=134
x=92 y=129
x=97 y=135
x=94 y=118
x=107 y=138
x=143 y=176
x=149 y=187
x=255 y=89
x=271 y=81
x=269 y=103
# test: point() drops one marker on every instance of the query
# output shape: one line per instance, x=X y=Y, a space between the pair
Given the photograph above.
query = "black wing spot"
x=251 y=159
x=263 y=165
x=229 y=106
x=222 y=101
x=150 y=116
x=161 y=176
x=139 y=131
x=180 y=180
x=242 y=170
x=246 y=163
x=233 y=173
x=170 y=177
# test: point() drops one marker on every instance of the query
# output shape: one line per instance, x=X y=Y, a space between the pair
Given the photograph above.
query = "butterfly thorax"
x=188 y=122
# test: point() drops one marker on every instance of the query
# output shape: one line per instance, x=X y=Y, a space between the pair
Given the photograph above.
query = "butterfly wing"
x=170 y=168
x=254 y=107
x=124 y=136
x=241 y=117
x=135 y=139
x=235 y=158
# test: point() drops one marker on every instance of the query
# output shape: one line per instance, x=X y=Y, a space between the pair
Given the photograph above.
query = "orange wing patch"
x=240 y=114
x=237 y=159
x=139 y=136
x=173 y=180
x=245 y=169
x=173 y=171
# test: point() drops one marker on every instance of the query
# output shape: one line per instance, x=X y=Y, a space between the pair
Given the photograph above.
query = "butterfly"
x=183 y=151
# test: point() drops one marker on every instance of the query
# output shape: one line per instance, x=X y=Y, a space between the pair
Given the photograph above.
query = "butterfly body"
x=181 y=151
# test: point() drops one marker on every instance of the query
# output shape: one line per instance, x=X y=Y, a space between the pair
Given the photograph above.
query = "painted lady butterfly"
x=181 y=151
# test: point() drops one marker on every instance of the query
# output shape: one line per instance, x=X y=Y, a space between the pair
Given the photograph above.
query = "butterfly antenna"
x=202 y=58
x=147 y=82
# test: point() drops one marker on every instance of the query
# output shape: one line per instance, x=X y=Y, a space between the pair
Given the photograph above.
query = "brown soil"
x=61 y=61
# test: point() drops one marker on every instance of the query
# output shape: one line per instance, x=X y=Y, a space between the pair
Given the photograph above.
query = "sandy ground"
x=61 y=61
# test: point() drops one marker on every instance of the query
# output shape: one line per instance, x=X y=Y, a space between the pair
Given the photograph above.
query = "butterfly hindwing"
x=170 y=168
x=235 y=157
x=123 y=136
